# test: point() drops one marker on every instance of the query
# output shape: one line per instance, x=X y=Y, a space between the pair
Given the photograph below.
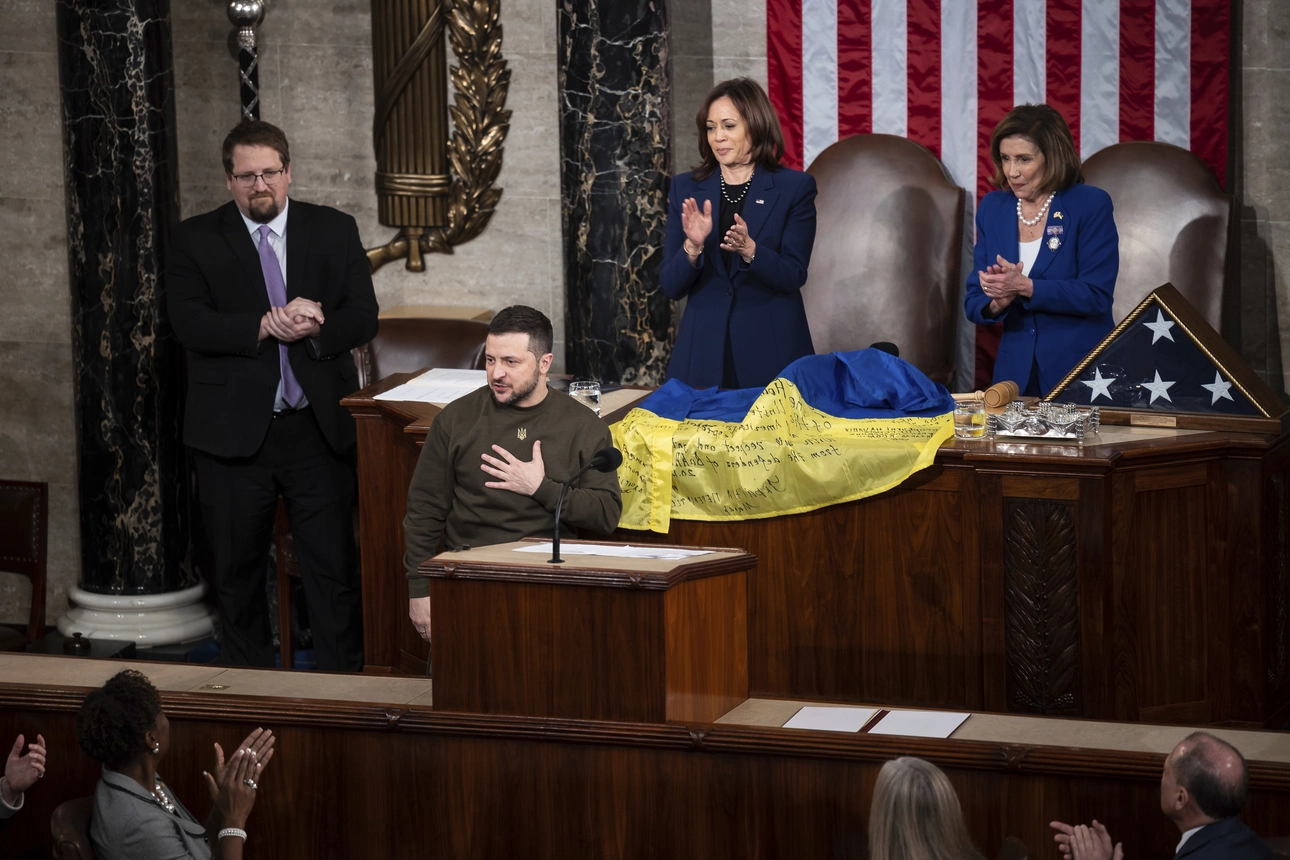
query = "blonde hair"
x=916 y=815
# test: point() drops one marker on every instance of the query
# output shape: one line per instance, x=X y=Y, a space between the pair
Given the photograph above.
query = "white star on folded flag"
x=1218 y=388
x=1100 y=385
x=1158 y=388
x=1160 y=328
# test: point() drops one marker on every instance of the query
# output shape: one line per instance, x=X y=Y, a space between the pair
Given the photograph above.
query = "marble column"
x=615 y=128
x=122 y=199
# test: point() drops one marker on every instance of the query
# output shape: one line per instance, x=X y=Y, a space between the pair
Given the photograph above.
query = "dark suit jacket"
x=1070 y=311
x=761 y=302
x=215 y=296
x=1228 y=839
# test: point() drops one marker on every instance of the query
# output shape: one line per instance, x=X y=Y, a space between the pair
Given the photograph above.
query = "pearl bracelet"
x=233 y=831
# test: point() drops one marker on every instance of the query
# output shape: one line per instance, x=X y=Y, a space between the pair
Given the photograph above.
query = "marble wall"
x=37 y=429
x=1261 y=180
x=316 y=83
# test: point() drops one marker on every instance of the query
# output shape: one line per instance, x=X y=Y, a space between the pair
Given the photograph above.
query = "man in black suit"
x=1202 y=790
x=268 y=295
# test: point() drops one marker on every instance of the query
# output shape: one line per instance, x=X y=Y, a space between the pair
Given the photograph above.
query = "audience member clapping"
x=20 y=773
x=1202 y=790
x=916 y=815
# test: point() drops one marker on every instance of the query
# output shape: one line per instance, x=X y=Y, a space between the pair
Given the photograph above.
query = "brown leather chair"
x=24 y=543
x=1174 y=221
x=1279 y=846
x=889 y=247
x=406 y=344
x=401 y=345
x=70 y=825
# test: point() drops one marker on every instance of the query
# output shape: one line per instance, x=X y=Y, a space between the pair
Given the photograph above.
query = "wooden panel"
x=1169 y=556
x=362 y=781
x=706 y=628
x=1041 y=487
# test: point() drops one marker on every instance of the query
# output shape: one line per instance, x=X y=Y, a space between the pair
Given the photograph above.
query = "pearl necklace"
x=729 y=199
x=159 y=792
x=1040 y=216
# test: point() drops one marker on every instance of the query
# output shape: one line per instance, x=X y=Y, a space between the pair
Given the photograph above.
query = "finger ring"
x=251 y=782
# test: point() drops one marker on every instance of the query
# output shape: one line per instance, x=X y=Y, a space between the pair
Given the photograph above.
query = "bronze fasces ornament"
x=438 y=191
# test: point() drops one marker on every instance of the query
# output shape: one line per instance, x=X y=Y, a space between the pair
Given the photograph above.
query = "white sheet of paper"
x=438 y=385
x=625 y=551
x=831 y=719
x=919 y=724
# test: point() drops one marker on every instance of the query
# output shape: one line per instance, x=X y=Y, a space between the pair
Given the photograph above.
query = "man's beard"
x=519 y=392
x=268 y=211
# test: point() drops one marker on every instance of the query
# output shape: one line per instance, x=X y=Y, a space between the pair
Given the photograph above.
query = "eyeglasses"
x=247 y=180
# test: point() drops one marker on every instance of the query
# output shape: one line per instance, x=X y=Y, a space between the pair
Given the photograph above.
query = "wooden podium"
x=594 y=638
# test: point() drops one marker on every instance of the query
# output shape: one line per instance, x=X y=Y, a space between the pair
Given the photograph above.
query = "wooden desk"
x=594 y=638
x=1145 y=578
x=365 y=768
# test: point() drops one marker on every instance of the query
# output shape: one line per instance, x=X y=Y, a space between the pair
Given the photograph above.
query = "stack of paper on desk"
x=439 y=385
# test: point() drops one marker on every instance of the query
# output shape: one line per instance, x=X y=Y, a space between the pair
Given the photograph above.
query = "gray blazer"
x=130 y=824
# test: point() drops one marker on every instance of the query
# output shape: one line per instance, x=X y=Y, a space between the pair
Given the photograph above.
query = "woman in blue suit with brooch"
x=1047 y=252
x=740 y=229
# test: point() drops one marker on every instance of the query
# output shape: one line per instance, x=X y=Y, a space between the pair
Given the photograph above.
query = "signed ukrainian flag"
x=830 y=429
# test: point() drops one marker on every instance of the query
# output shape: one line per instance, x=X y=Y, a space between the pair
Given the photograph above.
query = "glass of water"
x=969 y=419
x=586 y=393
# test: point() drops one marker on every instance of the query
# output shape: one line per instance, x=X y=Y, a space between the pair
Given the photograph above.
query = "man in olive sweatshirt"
x=494 y=460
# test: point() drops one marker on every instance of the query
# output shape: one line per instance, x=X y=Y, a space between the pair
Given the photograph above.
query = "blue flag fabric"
x=866 y=383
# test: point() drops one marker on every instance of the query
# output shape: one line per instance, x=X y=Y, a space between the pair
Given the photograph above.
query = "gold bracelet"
x=685 y=246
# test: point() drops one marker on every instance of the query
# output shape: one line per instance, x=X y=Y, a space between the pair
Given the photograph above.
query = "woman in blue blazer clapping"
x=1047 y=252
x=740 y=229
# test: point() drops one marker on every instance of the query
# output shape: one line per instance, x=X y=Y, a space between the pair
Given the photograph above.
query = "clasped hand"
x=300 y=318
x=697 y=225
x=516 y=475
x=1003 y=282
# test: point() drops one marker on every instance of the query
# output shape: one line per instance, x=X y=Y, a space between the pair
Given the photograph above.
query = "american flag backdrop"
x=944 y=72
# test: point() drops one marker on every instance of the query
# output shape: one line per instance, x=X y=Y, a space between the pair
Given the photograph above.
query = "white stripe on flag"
x=1173 y=73
x=890 y=42
x=958 y=93
x=1029 y=43
x=819 y=77
x=1099 y=75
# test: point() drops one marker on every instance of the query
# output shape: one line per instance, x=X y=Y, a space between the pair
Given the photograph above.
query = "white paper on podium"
x=624 y=551
x=831 y=719
x=919 y=724
x=438 y=385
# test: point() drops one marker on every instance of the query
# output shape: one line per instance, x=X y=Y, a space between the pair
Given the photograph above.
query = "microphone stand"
x=605 y=460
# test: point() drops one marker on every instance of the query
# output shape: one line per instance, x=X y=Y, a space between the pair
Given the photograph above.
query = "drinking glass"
x=969 y=419
x=586 y=393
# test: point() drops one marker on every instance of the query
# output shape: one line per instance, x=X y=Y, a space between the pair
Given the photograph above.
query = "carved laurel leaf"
x=1041 y=606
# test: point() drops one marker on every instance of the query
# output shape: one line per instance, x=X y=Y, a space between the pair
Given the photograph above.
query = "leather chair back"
x=1174 y=222
x=24 y=545
x=70 y=826
x=888 y=252
x=403 y=345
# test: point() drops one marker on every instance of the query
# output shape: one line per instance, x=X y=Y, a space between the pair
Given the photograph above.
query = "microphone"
x=605 y=460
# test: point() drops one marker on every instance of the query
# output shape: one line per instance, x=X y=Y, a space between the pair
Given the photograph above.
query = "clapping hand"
x=1003 y=282
x=737 y=240
x=1082 y=842
x=22 y=771
x=232 y=788
x=696 y=223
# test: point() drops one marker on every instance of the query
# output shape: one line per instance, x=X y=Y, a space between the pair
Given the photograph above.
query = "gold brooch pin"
x=1057 y=215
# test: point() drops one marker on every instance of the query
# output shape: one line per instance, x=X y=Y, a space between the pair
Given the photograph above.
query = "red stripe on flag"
x=1062 y=53
x=994 y=100
x=784 y=72
x=1137 y=69
x=993 y=80
x=923 y=71
x=1210 y=52
x=855 y=68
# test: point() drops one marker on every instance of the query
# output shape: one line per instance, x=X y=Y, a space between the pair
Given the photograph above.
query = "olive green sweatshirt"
x=448 y=498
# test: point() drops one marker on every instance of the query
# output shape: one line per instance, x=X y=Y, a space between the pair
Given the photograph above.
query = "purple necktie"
x=278 y=298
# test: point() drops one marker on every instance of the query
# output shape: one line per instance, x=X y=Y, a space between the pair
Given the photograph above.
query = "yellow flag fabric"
x=785 y=457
